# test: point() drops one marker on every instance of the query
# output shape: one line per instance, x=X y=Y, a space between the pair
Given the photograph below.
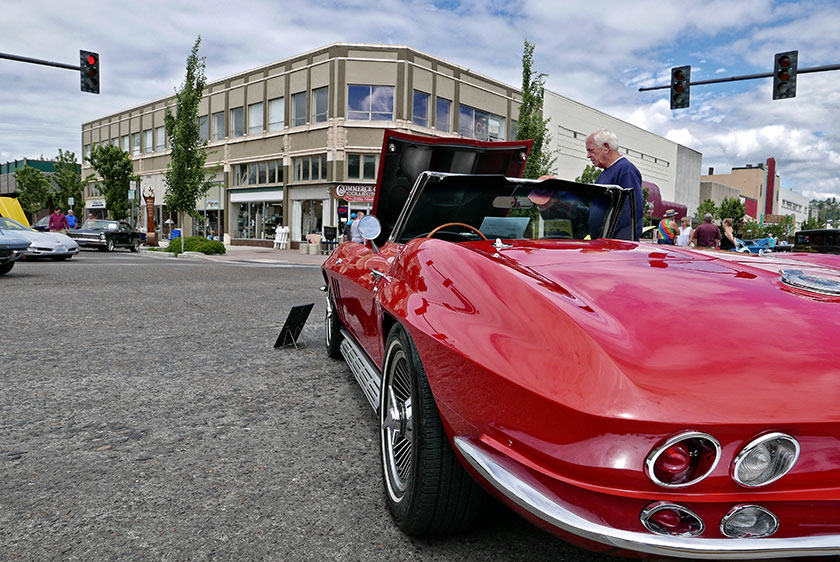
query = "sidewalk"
x=251 y=254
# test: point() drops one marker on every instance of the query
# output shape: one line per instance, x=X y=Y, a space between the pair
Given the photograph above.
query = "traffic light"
x=89 y=71
x=784 y=75
x=680 y=86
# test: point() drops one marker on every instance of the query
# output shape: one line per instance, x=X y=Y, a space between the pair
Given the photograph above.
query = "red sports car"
x=596 y=386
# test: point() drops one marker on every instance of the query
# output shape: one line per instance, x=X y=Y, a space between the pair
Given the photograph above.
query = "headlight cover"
x=765 y=459
x=683 y=459
x=749 y=522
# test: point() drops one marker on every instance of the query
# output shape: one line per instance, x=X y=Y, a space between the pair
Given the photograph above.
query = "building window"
x=135 y=144
x=514 y=129
x=276 y=114
x=361 y=166
x=443 y=114
x=125 y=143
x=310 y=168
x=370 y=103
x=421 y=108
x=237 y=122
x=320 y=104
x=204 y=127
x=147 y=141
x=255 y=118
x=298 y=109
x=476 y=124
x=219 y=126
x=160 y=139
x=115 y=142
x=258 y=173
x=87 y=151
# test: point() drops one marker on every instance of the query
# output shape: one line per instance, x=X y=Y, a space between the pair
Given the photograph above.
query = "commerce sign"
x=355 y=192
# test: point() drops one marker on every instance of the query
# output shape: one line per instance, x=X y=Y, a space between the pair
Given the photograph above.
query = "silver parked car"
x=53 y=245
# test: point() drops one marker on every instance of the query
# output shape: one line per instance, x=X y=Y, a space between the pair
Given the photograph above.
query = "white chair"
x=281 y=238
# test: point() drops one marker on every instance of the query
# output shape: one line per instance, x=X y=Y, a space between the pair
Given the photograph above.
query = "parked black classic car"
x=106 y=235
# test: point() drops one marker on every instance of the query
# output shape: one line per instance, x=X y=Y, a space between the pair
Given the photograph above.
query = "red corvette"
x=599 y=387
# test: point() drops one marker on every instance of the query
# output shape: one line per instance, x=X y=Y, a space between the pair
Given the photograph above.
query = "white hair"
x=604 y=137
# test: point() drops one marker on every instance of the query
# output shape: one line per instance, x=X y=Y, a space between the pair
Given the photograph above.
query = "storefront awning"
x=256 y=195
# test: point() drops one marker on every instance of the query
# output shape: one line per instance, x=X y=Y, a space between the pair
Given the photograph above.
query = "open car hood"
x=404 y=157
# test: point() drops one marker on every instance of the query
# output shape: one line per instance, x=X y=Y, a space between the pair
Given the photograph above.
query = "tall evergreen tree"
x=531 y=123
x=186 y=178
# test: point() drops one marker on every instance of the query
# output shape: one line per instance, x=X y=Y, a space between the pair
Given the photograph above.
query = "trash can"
x=176 y=232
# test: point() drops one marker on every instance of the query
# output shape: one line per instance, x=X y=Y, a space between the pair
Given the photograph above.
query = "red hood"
x=712 y=336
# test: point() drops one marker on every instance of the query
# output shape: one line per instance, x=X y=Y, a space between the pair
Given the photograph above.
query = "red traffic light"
x=784 y=74
x=784 y=61
x=89 y=71
x=91 y=59
x=679 y=74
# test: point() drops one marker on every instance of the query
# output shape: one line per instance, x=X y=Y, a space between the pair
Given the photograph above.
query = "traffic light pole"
x=823 y=68
x=39 y=61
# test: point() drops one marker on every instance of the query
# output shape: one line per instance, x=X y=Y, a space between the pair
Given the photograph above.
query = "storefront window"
x=258 y=220
x=311 y=216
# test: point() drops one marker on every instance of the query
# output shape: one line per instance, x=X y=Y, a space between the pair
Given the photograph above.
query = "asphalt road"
x=145 y=415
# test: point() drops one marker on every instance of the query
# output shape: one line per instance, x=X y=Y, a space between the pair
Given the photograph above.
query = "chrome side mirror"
x=370 y=228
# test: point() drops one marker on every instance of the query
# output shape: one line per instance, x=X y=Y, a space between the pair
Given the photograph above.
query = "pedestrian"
x=685 y=232
x=90 y=216
x=727 y=240
x=707 y=235
x=666 y=232
x=347 y=227
x=602 y=151
x=58 y=222
x=72 y=220
x=355 y=236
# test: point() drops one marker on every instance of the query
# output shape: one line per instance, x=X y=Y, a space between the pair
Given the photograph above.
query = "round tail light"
x=765 y=460
x=683 y=459
x=749 y=521
x=663 y=518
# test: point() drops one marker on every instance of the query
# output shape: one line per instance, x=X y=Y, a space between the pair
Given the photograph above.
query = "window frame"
x=354 y=114
x=259 y=127
x=237 y=122
x=274 y=125
x=298 y=120
x=426 y=118
x=215 y=134
x=320 y=117
x=438 y=123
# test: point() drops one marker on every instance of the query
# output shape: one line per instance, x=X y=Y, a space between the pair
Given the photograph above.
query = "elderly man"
x=602 y=151
x=707 y=235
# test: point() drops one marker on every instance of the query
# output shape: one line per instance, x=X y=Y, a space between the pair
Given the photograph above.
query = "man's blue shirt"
x=622 y=173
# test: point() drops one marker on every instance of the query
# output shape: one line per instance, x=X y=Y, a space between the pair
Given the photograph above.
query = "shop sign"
x=96 y=203
x=355 y=192
x=211 y=204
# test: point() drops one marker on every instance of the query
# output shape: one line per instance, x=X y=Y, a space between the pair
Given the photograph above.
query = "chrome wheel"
x=397 y=424
x=110 y=246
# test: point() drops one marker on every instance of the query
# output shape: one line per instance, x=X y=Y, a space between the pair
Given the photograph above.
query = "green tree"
x=68 y=180
x=33 y=189
x=750 y=230
x=114 y=167
x=781 y=230
x=732 y=208
x=531 y=123
x=811 y=223
x=186 y=178
x=589 y=175
x=707 y=206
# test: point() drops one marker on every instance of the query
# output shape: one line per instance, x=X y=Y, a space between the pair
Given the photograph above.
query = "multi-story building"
x=796 y=204
x=759 y=183
x=297 y=141
x=8 y=185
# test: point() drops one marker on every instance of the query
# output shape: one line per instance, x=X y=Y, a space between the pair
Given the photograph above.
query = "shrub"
x=196 y=244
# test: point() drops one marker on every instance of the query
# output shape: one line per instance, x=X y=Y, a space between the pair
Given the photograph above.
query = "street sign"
x=131 y=195
x=70 y=201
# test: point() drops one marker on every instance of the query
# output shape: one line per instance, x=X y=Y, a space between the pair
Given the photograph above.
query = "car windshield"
x=100 y=225
x=9 y=224
x=500 y=208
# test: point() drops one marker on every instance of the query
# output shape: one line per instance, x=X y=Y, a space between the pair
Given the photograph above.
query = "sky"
x=596 y=53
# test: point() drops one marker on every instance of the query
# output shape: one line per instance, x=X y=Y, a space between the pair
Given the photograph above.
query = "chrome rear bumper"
x=527 y=492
